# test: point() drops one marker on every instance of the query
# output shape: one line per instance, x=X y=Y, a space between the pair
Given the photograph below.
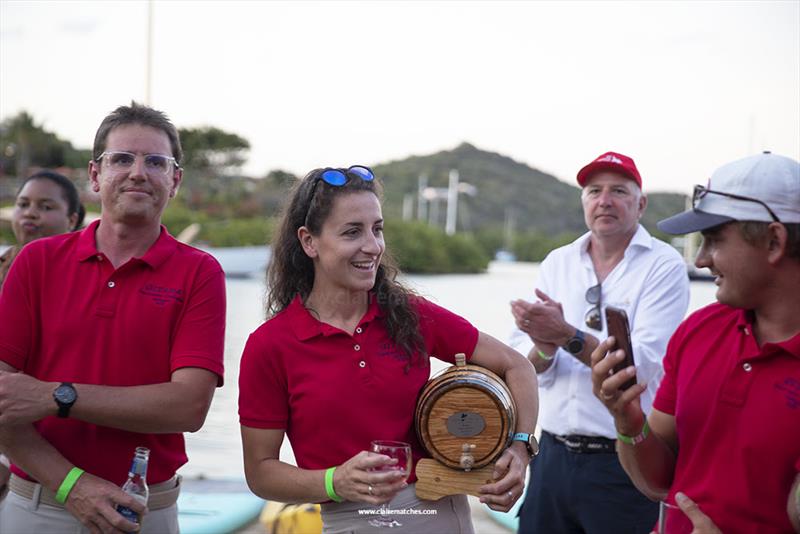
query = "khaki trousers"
x=22 y=515
x=448 y=514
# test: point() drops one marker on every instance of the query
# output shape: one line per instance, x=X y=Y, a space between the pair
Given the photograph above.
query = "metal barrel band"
x=162 y=495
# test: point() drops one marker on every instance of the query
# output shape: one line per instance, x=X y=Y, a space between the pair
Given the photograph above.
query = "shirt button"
x=747 y=367
x=362 y=364
x=358 y=330
x=111 y=284
x=99 y=257
x=357 y=347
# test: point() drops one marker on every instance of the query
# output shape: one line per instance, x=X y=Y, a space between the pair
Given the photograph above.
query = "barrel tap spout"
x=467 y=460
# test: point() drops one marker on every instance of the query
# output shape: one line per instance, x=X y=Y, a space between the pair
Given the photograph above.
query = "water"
x=215 y=451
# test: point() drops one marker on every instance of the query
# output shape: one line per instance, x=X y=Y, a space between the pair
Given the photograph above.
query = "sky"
x=682 y=87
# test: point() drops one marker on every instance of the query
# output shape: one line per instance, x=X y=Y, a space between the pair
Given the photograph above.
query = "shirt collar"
x=640 y=240
x=744 y=324
x=306 y=326
x=155 y=256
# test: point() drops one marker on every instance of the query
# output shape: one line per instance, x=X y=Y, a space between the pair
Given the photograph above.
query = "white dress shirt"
x=650 y=283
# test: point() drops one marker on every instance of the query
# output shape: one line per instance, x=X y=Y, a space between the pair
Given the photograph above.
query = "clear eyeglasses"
x=155 y=164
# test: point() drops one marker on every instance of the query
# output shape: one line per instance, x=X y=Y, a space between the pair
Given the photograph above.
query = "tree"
x=25 y=144
x=213 y=152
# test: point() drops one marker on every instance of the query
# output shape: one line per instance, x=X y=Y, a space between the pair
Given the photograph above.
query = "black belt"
x=585 y=444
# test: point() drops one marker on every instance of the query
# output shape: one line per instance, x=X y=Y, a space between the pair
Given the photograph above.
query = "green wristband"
x=635 y=440
x=544 y=356
x=67 y=484
x=329 y=485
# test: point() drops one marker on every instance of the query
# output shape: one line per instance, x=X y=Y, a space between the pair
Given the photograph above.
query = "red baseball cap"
x=610 y=161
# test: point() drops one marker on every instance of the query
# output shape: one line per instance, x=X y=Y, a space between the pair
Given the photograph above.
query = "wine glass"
x=672 y=520
x=402 y=452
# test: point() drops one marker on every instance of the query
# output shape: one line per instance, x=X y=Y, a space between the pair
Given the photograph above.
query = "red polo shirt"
x=334 y=393
x=737 y=413
x=68 y=315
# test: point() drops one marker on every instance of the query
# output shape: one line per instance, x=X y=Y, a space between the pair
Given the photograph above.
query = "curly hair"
x=291 y=271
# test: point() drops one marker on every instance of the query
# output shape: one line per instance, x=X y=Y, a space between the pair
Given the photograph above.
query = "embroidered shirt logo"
x=390 y=350
x=162 y=295
x=790 y=387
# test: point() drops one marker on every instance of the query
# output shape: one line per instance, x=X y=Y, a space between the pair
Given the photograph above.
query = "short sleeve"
x=16 y=313
x=263 y=390
x=200 y=339
x=446 y=333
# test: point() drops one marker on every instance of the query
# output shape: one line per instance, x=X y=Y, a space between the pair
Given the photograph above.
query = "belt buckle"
x=573 y=446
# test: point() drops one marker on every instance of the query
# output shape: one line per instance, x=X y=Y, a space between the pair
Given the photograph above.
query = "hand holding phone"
x=618 y=326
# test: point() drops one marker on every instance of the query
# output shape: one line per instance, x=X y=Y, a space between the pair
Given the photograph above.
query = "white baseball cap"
x=764 y=188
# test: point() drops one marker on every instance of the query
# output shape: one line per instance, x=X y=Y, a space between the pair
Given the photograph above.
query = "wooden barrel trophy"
x=465 y=419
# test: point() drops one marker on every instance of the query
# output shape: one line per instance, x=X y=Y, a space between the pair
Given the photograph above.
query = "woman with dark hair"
x=341 y=360
x=47 y=203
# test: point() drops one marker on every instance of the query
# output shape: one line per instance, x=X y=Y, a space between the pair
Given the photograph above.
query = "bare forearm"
x=179 y=405
x=650 y=465
x=540 y=363
x=521 y=380
x=34 y=455
x=157 y=408
x=275 y=480
x=590 y=343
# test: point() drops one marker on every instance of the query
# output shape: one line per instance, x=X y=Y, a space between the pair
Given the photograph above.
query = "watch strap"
x=526 y=439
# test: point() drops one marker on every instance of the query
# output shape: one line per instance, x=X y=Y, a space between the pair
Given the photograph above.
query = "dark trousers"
x=576 y=493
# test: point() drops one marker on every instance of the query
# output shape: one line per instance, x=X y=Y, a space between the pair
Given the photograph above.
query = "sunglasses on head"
x=593 y=317
x=338 y=178
x=701 y=191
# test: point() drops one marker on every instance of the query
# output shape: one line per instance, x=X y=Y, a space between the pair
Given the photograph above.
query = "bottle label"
x=128 y=514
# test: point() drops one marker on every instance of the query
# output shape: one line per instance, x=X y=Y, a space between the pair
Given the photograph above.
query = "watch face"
x=65 y=394
x=575 y=346
x=533 y=445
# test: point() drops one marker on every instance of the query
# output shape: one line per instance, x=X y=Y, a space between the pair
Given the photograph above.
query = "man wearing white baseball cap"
x=723 y=438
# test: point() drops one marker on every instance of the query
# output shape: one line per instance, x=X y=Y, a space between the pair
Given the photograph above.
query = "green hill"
x=535 y=201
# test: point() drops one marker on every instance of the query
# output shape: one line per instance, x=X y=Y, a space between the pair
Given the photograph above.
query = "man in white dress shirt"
x=577 y=483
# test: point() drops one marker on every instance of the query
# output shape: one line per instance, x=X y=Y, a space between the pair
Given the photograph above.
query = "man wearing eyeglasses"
x=112 y=340
x=577 y=483
x=723 y=437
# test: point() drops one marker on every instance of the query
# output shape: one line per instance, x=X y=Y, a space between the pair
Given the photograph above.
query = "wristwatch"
x=575 y=344
x=65 y=396
x=530 y=442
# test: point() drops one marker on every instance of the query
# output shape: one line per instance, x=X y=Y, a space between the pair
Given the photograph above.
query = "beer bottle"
x=136 y=485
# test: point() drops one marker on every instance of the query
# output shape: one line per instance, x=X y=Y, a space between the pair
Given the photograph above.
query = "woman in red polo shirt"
x=341 y=360
x=47 y=204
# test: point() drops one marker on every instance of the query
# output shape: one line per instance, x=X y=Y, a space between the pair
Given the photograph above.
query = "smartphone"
x=619 y=327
